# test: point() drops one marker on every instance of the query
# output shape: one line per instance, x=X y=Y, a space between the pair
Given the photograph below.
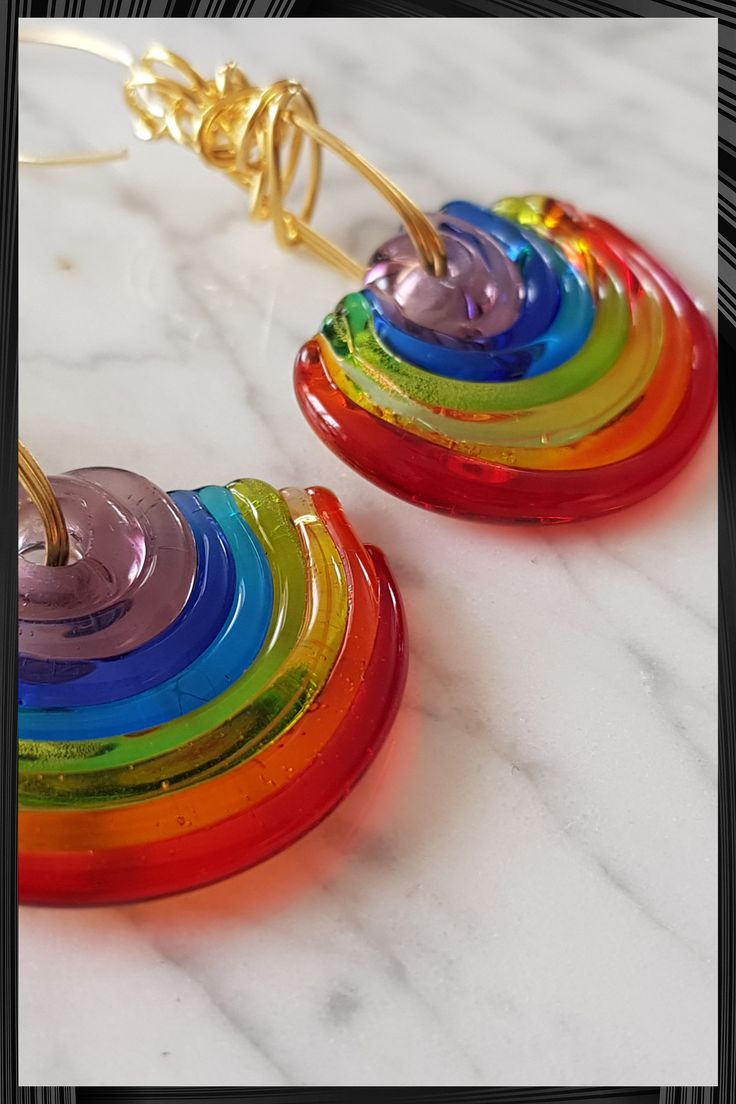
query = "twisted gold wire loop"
x=41 y=494
x=255 y=135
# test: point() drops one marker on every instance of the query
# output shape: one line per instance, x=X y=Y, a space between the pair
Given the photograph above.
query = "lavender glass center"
x=480 y=295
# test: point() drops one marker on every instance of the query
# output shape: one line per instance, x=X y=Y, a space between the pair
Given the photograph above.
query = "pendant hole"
x=34 y=551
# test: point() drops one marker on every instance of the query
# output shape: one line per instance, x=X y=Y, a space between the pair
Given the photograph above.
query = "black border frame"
x=13 y=9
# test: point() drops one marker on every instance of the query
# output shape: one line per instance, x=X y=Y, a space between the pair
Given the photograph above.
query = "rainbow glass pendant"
x=556 y=372
x=201 y=684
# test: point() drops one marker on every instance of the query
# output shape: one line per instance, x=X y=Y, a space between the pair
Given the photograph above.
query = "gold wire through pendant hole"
x=256 y=136
x=41 y=494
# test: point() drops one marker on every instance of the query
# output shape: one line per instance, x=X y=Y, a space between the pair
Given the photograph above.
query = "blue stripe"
x=230 y=654
x=554 y=323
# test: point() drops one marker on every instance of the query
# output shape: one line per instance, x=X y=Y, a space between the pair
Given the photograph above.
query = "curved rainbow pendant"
x=200 y=685
x=556 y=373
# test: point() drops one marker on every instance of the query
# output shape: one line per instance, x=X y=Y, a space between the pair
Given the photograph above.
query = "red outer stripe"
x=443 y=479
x=249 y=837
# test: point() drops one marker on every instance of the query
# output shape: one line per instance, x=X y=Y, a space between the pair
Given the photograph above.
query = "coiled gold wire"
x=256 y=136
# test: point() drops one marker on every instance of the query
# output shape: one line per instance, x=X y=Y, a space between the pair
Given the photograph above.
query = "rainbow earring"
x=519 y=362
x=203 y=676
x=556 y=372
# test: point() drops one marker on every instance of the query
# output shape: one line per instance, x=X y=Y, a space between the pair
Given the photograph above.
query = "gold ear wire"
x=30 y=473
x=98 y=47
x=95 y=157
x=253 y=134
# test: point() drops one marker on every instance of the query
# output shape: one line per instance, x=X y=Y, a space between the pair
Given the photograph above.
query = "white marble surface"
x=526 y=893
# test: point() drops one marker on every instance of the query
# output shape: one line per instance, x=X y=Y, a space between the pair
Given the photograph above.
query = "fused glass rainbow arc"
x=556 y=372
x=203 y=682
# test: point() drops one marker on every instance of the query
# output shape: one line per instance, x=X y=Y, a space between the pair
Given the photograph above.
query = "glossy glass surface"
x=612 y=395
x=480 y=295
x=215 y=664
x=553 y=316
x=132 y=568
x=68 y=684
x=264 y=731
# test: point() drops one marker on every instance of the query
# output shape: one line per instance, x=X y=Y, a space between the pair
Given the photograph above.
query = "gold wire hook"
x=41 y=494
x=88 y=44
x=255 y=135
x=30 y=473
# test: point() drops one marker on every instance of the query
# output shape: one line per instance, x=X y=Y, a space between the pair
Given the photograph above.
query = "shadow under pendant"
x=202 y=682
x=555 y=373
